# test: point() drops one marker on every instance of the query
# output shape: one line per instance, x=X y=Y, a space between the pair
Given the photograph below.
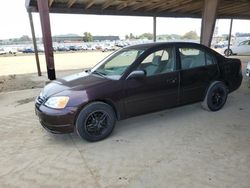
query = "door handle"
x=171 y=80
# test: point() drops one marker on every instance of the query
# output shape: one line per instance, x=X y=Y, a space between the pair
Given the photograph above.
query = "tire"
x=228 y=52
x=95 y=121
x=216 y=96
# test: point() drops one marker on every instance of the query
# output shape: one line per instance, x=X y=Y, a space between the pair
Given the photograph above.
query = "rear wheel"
x=216 y=96
x=228 y=52
x=96 y=121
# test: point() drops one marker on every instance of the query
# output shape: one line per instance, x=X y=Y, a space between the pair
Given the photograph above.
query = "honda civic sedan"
x=133 y=81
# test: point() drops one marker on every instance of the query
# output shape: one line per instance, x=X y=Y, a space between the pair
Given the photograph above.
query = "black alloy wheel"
x=96 y=121
x=216 y=96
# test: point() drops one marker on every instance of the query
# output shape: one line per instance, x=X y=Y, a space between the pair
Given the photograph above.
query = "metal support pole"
x=208 y=21
x=154 y=28
x=34 y=44
x=43 y=7
x=229 y=37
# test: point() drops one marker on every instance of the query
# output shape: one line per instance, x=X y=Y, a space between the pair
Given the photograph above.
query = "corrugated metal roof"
x=162 y=8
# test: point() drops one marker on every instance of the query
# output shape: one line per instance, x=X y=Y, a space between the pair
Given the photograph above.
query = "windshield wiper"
x=99 y=73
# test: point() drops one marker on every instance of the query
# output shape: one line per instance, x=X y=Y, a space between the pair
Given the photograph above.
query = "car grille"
x=40 y=100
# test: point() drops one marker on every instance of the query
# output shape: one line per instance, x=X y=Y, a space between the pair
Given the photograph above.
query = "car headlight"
x=41 y=94
x=57 y=102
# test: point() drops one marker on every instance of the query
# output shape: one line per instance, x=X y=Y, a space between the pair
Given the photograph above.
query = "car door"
x=242 y=48
x=247 y=48
x=159 y=89
x=198 y=69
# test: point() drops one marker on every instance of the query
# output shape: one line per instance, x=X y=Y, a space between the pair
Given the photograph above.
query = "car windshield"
x=117 y=63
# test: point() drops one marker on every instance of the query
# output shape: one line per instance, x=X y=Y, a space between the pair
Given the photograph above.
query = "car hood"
x=79 y=81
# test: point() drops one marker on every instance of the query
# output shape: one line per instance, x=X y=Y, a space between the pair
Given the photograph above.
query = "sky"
x=15 y=23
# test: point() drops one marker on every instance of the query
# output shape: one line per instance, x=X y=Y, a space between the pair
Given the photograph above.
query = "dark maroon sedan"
x=137 y=80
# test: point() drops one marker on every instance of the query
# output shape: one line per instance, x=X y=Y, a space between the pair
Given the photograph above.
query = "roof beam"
x=165 y=4
x=159 y=4
x=123 y=12
x=237 y=9
x=141 y=5
x=107 y=4
x=125 y=4
x=186 y=5
x=71 y=3
x=50 y=2
x=227 y=7
x=122 y=6
x=176 y=5
x=196 y=9
x=89 y=4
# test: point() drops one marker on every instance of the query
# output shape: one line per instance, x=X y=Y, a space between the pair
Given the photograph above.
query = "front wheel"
x=216 y=96
x=228 y=52
x=96 y=121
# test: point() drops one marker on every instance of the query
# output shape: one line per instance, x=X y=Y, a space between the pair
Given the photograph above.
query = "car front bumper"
x=248 y=70
x=57 y=121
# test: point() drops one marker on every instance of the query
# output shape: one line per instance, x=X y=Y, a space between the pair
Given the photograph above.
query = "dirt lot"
x=180 y=147
x=63 y=61
x=19 y=72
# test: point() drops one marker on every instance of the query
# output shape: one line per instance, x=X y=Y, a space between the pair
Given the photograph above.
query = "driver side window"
x=244 y=43
x=159 y=62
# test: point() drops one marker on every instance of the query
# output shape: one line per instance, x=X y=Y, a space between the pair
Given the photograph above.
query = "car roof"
x=158 y=44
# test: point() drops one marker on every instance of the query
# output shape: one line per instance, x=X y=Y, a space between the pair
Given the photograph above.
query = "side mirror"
x=137 y=74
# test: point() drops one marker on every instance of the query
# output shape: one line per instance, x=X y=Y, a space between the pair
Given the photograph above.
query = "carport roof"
x=237 y=9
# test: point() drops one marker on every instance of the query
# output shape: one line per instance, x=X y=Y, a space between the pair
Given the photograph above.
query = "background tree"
x=190 y=35
x=131 y=36
x=175 y=36
x=25 y=38
x=87 y=37
x=148 y=36
x=126 y=37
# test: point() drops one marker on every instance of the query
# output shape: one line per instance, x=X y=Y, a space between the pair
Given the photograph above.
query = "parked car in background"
x=11 y=50
x=106 y=47
x=242 y=48
x=62 y=48
x=79 y=47
x=2 y=51
x=84 y=47
x=91 y=47
x=137 y=80
x=54 y=48
x=221 y=44
x=41 y=49
x=73 y=48
x=28 y=50
x=248 y=69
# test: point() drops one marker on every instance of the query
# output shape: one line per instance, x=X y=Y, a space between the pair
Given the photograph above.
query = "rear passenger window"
x=209 y=59
x=191 y=58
